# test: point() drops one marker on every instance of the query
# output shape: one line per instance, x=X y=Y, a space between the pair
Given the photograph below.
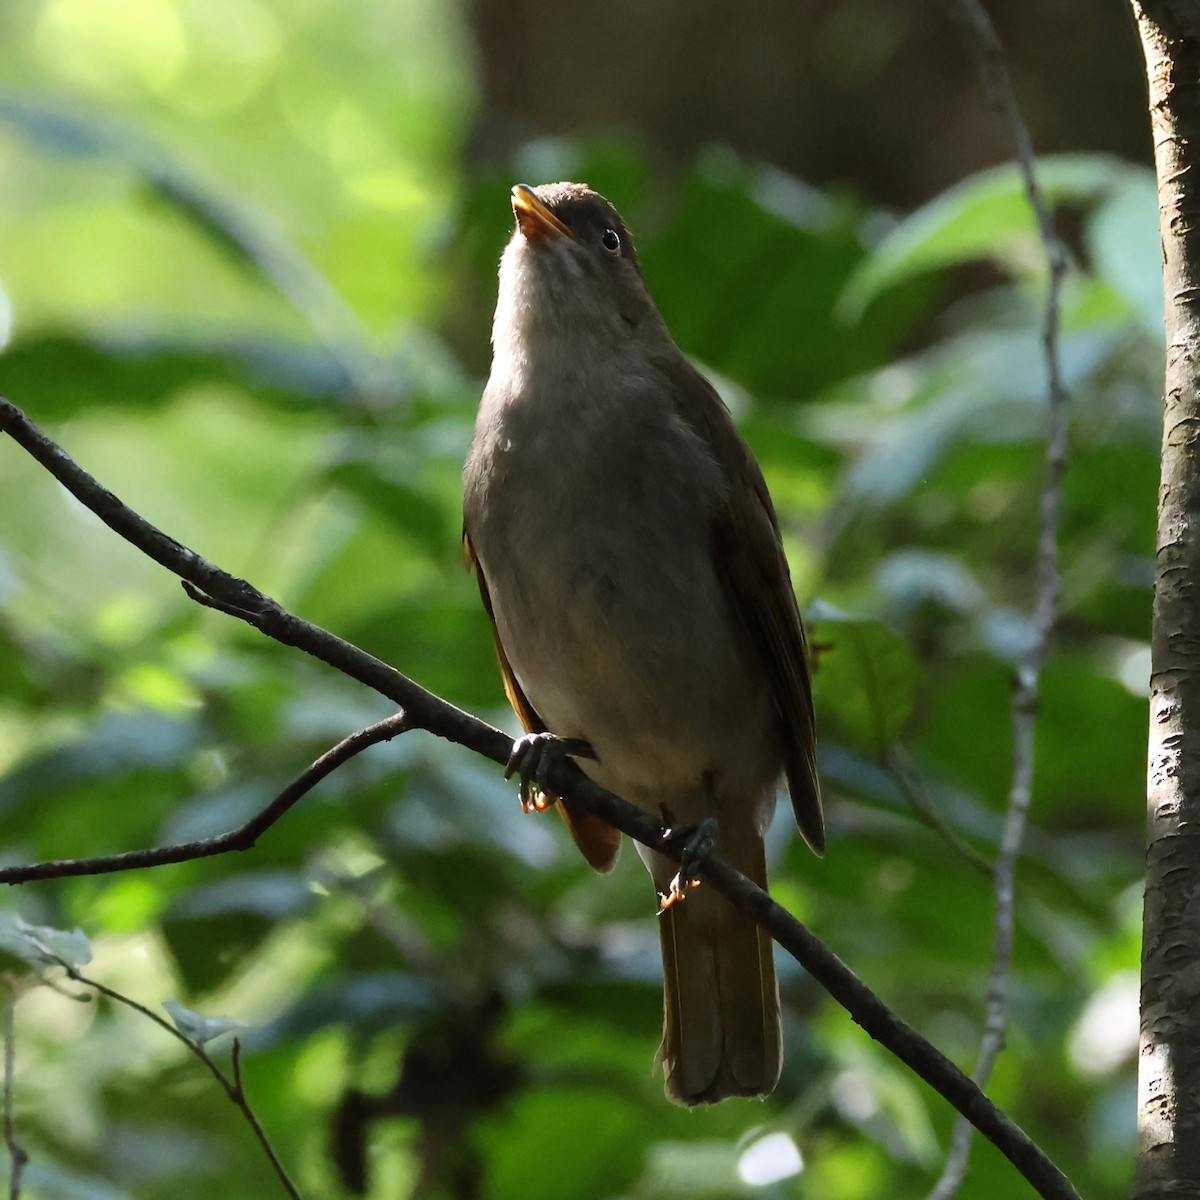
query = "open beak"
x=534 y=218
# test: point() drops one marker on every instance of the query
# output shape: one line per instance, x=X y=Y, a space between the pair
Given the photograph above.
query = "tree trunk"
x=1168 y=1151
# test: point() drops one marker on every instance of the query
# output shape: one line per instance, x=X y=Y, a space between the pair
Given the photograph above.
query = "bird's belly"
x=618 y=630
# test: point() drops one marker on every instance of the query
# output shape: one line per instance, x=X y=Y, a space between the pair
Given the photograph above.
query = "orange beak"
x=534 y=218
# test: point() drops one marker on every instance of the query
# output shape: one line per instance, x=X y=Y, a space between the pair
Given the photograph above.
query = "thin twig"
x=994 y=69
x=241 y=838
x=231 y=1087
x=427 y=711
x=18 y=1158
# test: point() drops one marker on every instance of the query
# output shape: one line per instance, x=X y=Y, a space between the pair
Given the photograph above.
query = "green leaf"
x=864 y=679
x=887 y=1105
x=198 y=1027
x=588 y=1145
x=987 y=216
x=52 y=1180
x=702 y=1169
x=106 y=369
x=43 y=945
x=756 y=303
x=6 y=318
x=1124 y=242
x=213 y=928
x=402 y=505
x=369 y=1002
x=248 y=234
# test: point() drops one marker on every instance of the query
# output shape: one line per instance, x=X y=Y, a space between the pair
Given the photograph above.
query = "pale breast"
x=590 y=515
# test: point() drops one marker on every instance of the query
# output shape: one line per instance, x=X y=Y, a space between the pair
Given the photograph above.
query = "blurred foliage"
x=247 y=285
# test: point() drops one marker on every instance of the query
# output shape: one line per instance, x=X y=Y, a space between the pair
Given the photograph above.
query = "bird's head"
x=570 y=269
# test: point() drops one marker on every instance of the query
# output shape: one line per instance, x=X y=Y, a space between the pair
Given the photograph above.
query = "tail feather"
x=721 y=1032
x=689 y=1017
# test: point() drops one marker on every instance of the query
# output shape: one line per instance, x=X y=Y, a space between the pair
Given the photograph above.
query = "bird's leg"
x=531 y=759
x=699 y=841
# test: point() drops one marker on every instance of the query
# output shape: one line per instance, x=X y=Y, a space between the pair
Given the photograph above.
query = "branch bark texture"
x=1168 y=1153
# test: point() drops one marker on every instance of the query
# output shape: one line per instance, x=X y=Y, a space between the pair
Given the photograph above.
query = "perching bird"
x=629 y=556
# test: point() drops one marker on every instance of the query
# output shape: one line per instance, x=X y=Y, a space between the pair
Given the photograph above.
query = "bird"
x=630 y=559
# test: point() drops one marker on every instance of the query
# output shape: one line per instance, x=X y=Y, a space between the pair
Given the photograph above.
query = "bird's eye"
x=610 y=239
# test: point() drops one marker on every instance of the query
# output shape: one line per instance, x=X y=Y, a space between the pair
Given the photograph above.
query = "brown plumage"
x=630 y=558
x=596 y=839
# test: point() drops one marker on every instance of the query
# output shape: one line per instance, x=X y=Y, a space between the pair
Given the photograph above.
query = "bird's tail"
x=721 y=1032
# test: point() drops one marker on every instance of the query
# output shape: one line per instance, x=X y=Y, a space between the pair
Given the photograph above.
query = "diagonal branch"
x=427 y=711
x=993 y=68
x=242 y=838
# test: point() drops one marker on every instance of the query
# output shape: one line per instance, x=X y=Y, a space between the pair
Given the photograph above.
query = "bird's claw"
x=675 y=892
x=531 y=759
x=699 y=841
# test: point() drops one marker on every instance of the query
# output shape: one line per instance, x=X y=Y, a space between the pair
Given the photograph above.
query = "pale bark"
x=1168 y=1153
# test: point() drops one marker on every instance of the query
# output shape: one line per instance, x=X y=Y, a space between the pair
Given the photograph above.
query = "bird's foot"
x=699 y=841
x=531 y=759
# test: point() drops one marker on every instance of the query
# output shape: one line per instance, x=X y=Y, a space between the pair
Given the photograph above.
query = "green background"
x=247 y=270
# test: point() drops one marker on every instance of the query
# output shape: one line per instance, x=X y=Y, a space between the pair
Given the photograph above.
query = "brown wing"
x=752 y=567
x=596 y=839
